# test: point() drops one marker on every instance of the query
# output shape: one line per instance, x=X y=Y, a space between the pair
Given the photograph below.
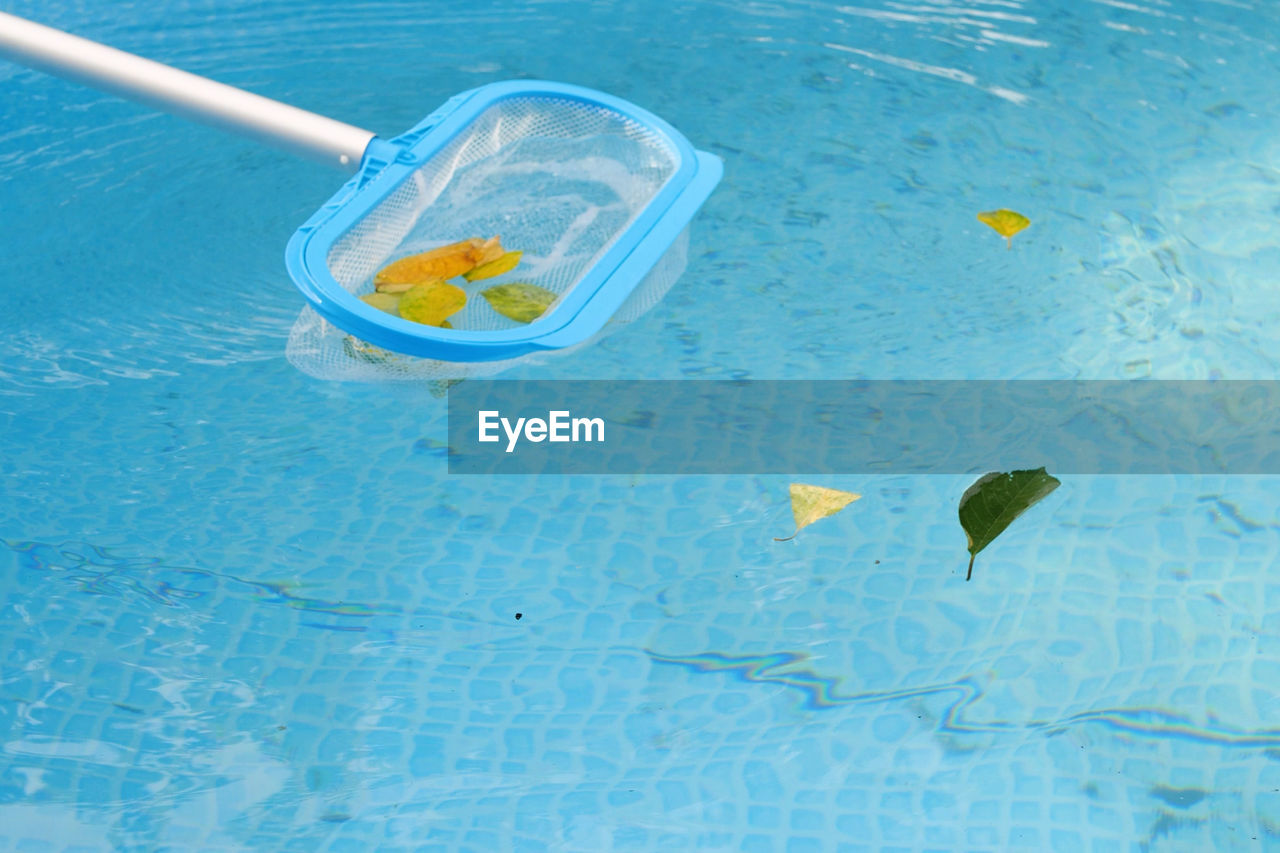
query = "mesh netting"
x=557 y=179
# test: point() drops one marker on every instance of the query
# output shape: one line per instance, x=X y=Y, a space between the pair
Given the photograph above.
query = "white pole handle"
x=180 y=93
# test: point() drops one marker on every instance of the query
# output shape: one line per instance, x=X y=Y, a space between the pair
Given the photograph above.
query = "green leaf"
x=519 y=300
x=995 y=500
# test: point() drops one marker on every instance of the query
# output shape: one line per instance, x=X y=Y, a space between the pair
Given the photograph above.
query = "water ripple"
x=953 y=74
x=98 y=570
x=822 y=692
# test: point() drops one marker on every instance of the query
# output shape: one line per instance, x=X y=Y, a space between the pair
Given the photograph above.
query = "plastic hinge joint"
x=428 y=124
x=379 y=154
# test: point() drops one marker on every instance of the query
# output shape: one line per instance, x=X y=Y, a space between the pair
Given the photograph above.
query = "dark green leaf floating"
x=991 y=504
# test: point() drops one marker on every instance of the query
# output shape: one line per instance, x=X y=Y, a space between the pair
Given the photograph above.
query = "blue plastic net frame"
x=411 y=164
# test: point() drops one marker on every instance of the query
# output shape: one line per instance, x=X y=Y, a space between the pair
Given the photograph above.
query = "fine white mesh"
x=557 y=179
x=318 y=349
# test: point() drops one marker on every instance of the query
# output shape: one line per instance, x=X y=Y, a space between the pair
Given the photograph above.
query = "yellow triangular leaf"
x=812 y=503
x=1005 y=222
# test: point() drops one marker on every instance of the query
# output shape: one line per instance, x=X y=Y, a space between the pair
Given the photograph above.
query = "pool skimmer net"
x=594 y=193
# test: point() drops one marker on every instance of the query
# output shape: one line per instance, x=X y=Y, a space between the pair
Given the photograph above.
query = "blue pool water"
x=243 y=609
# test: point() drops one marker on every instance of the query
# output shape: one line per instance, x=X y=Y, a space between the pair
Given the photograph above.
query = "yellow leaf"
x=504 y=263
x=431 y=302
x=1005 y=222
x=389 y=302
x=812 y=503
x=444 y=262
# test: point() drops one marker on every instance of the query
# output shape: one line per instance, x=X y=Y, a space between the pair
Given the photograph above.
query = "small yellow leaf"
x=1005 y=222
x=504 y=263
x=431 y=302
x=519 y=301
x=389 y=302
x=812 y=503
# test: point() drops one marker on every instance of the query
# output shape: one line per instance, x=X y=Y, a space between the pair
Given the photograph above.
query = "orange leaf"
x=443 y=262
